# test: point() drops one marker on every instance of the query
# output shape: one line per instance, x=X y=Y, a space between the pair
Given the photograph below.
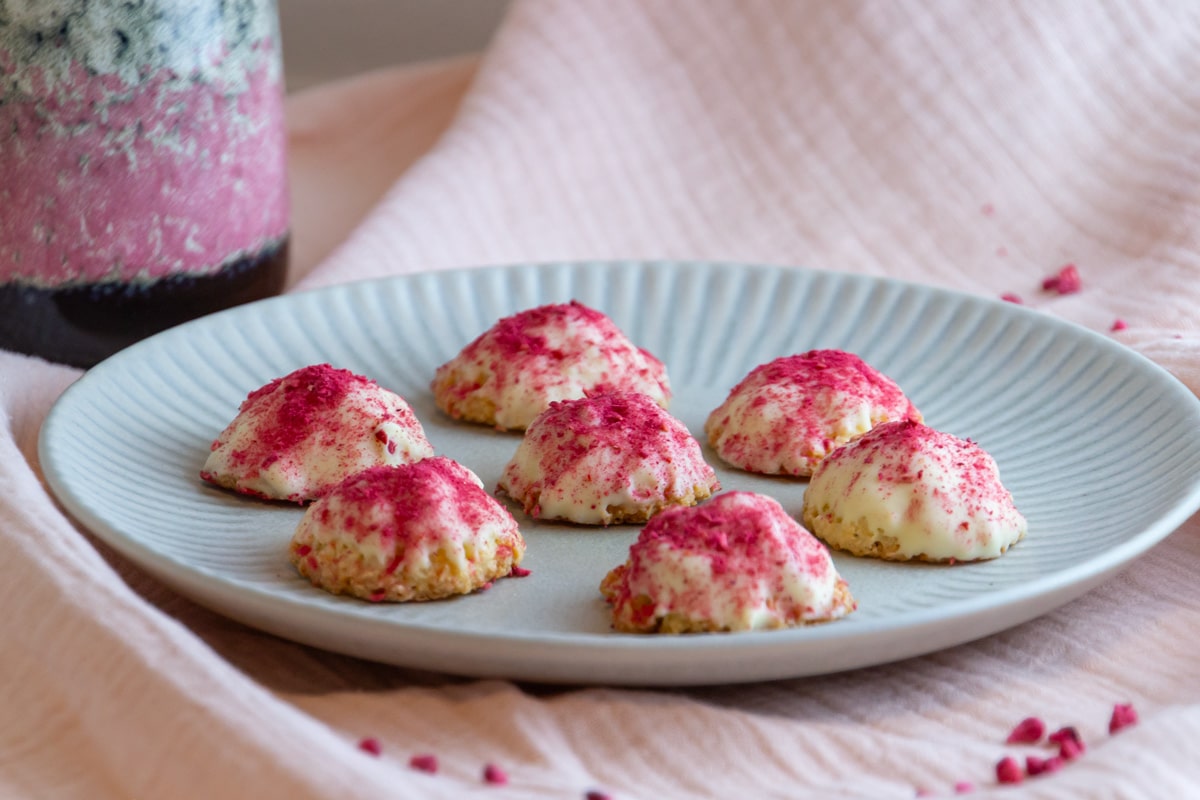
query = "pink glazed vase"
x=142 y=168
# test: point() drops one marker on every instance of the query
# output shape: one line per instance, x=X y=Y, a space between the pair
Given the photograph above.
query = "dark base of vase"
x=82 y=325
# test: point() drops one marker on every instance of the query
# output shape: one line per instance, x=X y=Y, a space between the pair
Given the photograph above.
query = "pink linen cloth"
x=979 y=147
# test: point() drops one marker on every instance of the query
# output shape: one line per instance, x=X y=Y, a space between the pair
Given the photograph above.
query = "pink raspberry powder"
x=1123 y=715
x=494 y=775
x=964 y=787
x=1028 y=731
x=424 y=762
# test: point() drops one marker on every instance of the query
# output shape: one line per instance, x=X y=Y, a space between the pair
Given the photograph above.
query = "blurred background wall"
x=327 y=39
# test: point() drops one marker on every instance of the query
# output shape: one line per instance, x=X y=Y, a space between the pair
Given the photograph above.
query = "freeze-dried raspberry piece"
x=370 y=745
x=1118 y=325
x=1065 y=281
x=1010 y=297
x=424 y=762
x=1028 y=731
x=1039 y=766
x=1008 y=770
x=1070 y=745
x=1123 y=715
x=964 y=787
x=494 y=775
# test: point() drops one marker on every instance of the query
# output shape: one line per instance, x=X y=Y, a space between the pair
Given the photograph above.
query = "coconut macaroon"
x=905 y=491
x=419 y=531
x=301 y=434
x=525 y=362
x=606 y=459
x=788 y=414
x=735 y=563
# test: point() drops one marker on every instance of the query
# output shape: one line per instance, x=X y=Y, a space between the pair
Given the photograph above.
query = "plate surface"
x=1100 y=448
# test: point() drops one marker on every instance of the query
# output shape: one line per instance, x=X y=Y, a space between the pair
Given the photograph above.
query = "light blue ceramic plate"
x=1100 y=448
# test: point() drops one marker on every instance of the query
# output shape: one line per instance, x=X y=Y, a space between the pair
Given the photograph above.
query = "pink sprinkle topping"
x=1010 y=297
x=1065 y=281
x=520 y=572
x=1038 y=766
x=1008 y=770
x=370 y=745
x=1070 y=745
x=494 y=775
x=1118 y=325
x=1028 y=731
x=1123 y=715
x=424 y=762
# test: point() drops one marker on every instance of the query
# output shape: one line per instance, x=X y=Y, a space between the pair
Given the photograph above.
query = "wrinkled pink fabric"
x=974 y=146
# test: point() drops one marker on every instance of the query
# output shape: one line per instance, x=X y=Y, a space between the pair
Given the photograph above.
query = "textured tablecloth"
x=976 y=146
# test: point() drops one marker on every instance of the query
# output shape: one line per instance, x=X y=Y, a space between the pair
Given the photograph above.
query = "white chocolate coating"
x=737 y=562
x=788 y=414
x=525 y=362
x=906 y=491
x=301 y=434
x=604 y=459
x=418 y=531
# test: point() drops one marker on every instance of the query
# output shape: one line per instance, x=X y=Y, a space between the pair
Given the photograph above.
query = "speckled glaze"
x=138 y=140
